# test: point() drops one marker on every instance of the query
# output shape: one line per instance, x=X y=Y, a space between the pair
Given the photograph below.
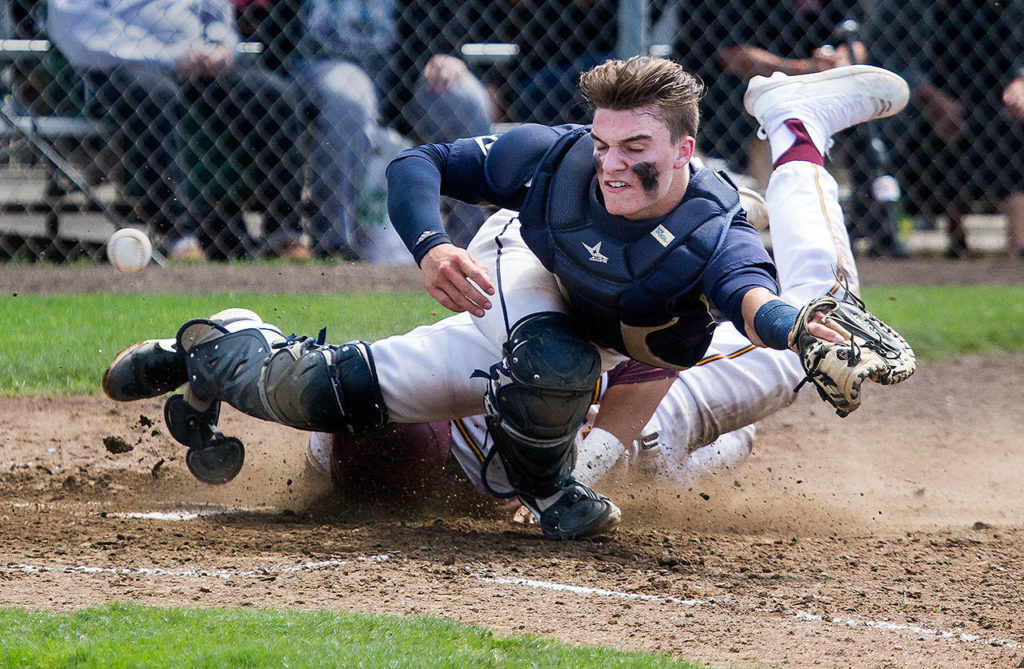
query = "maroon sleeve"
x=631 y=371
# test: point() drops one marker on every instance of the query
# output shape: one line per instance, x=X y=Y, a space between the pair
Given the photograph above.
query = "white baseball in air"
x=129 y=250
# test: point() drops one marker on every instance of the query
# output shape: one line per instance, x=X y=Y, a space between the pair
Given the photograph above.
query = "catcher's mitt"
x=872 y=350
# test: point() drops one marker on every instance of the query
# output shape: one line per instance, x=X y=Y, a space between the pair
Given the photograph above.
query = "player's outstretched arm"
x=455 y=279
x=771 y=327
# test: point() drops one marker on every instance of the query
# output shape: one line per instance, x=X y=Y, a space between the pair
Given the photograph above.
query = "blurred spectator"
x=727 y=43
x=363 y=64
x=558 y=40
x=964 y=61
x=166 y=73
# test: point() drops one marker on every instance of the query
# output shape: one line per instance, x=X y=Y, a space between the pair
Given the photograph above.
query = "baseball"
x=129 y=250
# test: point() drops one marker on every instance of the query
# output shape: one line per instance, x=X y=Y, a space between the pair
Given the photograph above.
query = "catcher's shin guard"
x=537 y=399
x=299 y=382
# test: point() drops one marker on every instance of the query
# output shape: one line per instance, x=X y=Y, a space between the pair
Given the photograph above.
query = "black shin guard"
x=302 y=383
x=299 y=382
x=311 y=386
x=534 y=467
x=227 y=367
x=538 y=397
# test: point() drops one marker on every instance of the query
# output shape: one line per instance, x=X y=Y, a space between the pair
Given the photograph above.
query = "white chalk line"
x=484 y=576
x=188 y=573
x=580 y=590
x=173 y=515
x=182 y=515
x=799 y=615
x=898 y=627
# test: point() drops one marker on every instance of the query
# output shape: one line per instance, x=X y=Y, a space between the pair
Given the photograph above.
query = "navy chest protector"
x=642 y=297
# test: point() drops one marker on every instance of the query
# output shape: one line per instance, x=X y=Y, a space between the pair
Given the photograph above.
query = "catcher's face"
x=642 y=173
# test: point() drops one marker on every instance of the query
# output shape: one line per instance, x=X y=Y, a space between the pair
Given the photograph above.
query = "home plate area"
x=891 y=538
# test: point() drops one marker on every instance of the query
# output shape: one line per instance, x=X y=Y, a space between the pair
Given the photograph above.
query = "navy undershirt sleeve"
x=418 y=177
x=414 y=197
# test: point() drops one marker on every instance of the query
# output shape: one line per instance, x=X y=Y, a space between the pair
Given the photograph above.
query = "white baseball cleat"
x=826 y=102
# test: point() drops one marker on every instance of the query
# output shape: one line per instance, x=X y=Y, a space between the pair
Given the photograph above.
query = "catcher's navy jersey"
x=636 y=286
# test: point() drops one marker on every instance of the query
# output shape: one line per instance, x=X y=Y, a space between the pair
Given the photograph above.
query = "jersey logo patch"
x=663 y=236
x=595 y=253
x=485 y=143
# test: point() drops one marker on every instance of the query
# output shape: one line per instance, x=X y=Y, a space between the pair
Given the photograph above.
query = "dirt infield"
x=891 y=538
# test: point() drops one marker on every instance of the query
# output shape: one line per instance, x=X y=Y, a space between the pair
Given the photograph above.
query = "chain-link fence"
x=260 y=128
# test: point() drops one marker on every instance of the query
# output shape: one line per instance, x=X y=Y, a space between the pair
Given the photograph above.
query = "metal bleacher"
x=40 y=180
x=57 y=200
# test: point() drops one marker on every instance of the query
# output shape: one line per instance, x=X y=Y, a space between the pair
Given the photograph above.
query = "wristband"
x=773 y=322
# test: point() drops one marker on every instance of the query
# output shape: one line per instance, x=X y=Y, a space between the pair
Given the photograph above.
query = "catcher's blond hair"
x=643 y=81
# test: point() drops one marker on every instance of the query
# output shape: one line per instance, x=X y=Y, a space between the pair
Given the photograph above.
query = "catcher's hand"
x=871 y=350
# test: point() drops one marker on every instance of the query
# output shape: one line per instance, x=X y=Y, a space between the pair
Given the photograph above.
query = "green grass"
x=61 y=344
x=125 y=635
x=943 y=321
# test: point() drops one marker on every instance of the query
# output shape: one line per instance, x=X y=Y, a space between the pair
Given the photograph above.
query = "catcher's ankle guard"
x=211 y=457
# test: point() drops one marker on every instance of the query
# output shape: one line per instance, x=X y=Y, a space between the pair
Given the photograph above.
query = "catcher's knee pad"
x=310 y=386
x=537 y=399
x=302 y=383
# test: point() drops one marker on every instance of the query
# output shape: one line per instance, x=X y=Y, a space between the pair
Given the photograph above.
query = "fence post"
x=634 y=21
